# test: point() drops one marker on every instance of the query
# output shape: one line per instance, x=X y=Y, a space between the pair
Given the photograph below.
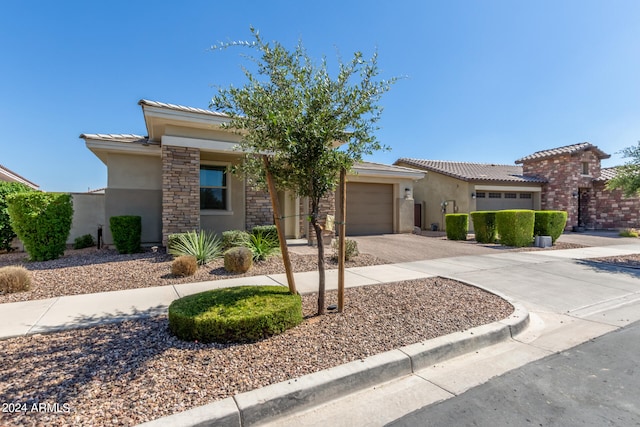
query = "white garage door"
x=369 y=208
x=500 y=200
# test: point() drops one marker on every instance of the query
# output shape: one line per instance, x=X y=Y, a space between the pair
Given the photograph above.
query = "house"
x=568 y=178
x=10 y=176
x=177 y=179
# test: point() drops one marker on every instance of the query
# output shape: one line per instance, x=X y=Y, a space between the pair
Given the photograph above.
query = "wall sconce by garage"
x=574 y=194
x=473 y=195
x=407 y=193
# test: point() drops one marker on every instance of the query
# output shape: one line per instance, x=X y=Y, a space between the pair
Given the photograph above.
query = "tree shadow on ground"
x=611 y=267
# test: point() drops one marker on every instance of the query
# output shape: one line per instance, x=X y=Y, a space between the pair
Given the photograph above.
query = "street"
x=594 y=384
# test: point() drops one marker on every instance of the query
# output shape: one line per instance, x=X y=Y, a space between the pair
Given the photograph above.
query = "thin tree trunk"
x=321 y=274
x=342 y=235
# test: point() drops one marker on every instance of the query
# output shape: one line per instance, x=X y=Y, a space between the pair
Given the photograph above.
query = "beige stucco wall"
x=435 y=188
x=88 y=215
x=134 y=188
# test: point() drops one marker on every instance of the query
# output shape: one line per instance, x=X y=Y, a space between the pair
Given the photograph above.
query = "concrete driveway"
x=396 y=248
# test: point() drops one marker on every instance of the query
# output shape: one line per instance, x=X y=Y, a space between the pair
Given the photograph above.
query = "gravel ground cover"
x=131 y=372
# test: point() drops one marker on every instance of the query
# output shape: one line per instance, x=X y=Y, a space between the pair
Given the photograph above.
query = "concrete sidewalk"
x=565 y=300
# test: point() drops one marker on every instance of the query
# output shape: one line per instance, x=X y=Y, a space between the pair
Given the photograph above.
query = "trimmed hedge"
x=126 y=231
x=234 y=238
x=42 y=221
x=236 y=314
x=515 y=227
x=549 y=223
x=484 y=226
x=6 y=232
x=457 y=226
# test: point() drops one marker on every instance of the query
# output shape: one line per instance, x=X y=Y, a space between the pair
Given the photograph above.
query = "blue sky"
x=486 y=81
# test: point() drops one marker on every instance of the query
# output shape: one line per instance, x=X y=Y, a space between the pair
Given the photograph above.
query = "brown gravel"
x=630 y=261
x=127 y=373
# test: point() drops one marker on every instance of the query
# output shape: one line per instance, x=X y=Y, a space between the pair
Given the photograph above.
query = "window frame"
x=227 y=179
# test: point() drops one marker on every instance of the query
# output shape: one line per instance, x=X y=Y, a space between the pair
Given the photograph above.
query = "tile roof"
x=607 y=173
x=125 y=137
x=567 y=149
x=472 y=171
x=183 y=108
x=379 y=167
x=17 y=178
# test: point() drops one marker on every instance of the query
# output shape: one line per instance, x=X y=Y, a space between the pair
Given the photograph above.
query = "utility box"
x=543 y=241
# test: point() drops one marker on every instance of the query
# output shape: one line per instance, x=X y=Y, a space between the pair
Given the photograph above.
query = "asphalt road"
x=594 y=384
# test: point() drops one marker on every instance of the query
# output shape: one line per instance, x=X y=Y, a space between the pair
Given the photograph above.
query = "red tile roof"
x=568 y=149
x=472 y=171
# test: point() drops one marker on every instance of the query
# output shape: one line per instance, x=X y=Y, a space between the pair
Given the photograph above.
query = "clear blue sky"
x=487 y=81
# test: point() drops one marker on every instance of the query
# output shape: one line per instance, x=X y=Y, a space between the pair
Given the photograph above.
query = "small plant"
x=350 y=249
x=205 y=247
x=185 y=265
x=236 y=314
x=126 y=231
x=14 y=279
x=85 y=241
x=271 y=231
x=234 y=238
x=628 y=232
x=263 y=245
x=238 y=260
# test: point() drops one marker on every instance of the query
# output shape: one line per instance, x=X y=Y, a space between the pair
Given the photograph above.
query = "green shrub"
x=184 y=266
x=350 y=249
x=549 y=223
x=628 y=232
x=457 y=226
x=263 y=245
x=14 y=279
x=204 y=246
x=85 y=241
x=6 y=232
x=238 y=260
x=515 y=227
x=484 y=226
x=236 y=314
x=270 y=231
x=42 y=221
x=126 y=231
x=234 y=238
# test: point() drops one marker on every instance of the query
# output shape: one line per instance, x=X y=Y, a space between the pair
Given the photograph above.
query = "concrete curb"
x=285 y=398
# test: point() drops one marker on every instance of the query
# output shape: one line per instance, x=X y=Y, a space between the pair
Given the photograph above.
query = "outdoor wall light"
x=407 y=193
x=473 y=195
x=574 y=194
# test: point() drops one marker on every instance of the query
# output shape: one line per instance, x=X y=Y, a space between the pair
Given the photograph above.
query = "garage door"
x=496 y=200
x=369 y=208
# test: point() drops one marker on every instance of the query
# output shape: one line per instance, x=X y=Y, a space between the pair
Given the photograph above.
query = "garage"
x=369 y=208
x=500 y=200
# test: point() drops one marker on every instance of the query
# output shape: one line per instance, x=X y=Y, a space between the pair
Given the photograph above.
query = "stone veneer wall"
x=180 y=190
x=564 y=177
x=613 y=210
x=258 y=209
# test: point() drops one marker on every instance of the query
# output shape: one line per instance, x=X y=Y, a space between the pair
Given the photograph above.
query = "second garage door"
x=369 y=208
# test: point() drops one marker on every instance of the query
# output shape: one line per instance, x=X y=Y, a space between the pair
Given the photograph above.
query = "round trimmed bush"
x=238 y=260
x=457 y=226
x=484 y=226
x=515 y=227
x=185 y=265
x=14 y=279
x=549 y=223
x=237 y=314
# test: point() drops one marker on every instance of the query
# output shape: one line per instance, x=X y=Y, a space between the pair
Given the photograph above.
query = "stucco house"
x=568 y=178
x=176 y=178
x=10 y=176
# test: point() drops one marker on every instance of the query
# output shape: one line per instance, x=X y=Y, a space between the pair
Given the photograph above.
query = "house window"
x=495 y=195
x=480 y=195
x=525 y=195
x=213 y=187
x=585 y=168
x=509 y=195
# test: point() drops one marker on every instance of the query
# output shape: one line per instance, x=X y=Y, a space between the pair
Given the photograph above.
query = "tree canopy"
x=311 y=124
x=628 y=175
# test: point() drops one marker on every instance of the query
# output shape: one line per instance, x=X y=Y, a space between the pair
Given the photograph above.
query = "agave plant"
x=204 y=246
x=263 y=245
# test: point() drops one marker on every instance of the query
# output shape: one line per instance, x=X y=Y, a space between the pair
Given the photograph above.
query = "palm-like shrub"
x=205 y=247
x=263 y=245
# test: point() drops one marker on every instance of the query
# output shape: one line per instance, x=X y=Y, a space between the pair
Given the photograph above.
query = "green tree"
x=6 y=231
x=628 y=175
x=310 y=123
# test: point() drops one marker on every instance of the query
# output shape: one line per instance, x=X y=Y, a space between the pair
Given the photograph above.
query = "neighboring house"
x=566 y=178
x=177 y=180
x=10 y=176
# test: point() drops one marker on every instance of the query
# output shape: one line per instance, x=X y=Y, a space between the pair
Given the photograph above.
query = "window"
x=509 y=195
x=495 y=195
x=525 y=195
x=213 y=187
x=585 y=168
x=480 y=194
